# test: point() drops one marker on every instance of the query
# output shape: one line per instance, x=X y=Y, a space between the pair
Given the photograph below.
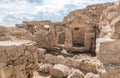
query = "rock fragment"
x=75 y=73
x=60 y=71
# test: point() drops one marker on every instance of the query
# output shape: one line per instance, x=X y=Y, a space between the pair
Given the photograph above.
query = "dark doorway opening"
x=78 y=45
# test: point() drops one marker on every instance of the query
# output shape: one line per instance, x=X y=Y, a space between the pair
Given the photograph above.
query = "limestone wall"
x=108 y=43
x=82 y=16
x=44 y=39
x=17 y=59
x=87 y=20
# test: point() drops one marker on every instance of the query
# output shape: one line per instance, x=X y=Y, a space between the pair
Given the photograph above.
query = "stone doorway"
x=78 y=34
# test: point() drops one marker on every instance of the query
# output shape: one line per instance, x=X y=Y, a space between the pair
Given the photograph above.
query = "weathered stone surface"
x=60 y=71
x=44 y=39
x=11 y=50
x=50 y=58
x=110 y=71
x=21 y=34
x=41 y=52
x=109 y=22
x=5 y=38
x=17 y=58
x=38 y=75
x=89 y=65
x=84 y=26
x=68 y=39
x=45 y=68
x=54 y=59
x=13 y=71
x=75 y=73
x=61 y=37
x=7 y=72
x=91 y=75
x=109 y=52
x=60 y=59
x=72 y=63
x=80 y=62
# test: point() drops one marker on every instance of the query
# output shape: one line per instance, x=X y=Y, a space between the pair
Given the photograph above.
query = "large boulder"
x=109 y=52
x=72 y=63
x=60 y=71
x=50 y=58
x=90 y=65
x=86 y=63
x=45 y=68
x=110 y=71
x=109 y=55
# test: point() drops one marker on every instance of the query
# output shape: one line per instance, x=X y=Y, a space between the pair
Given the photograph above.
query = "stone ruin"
x=84 y=45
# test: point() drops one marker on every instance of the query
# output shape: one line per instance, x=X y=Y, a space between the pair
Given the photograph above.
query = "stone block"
x=17 y=58
x=109 y=52
x=110 y=71
x=75 y=73
x=45 y=68
x=60 y=71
